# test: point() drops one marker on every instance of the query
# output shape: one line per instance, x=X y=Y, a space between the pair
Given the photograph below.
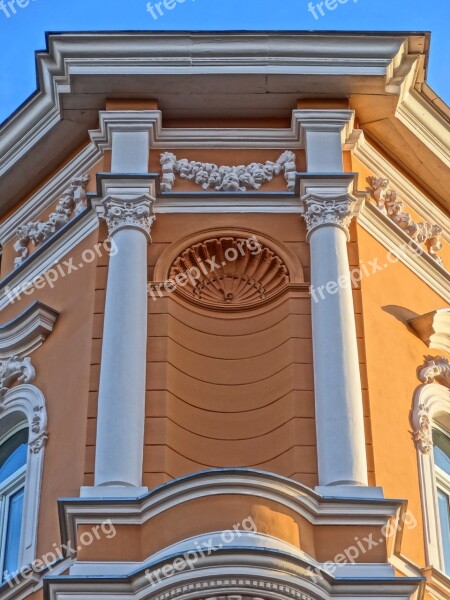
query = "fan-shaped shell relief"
x=229 y=271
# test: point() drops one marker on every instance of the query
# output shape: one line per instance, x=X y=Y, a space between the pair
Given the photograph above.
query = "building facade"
x=225 y=325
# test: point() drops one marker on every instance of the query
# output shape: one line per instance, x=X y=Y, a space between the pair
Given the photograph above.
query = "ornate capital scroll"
x=13 y=370
x=129 y=214
x=328 y=210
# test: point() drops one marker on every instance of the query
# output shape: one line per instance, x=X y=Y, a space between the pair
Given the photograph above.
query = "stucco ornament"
x=15 y=370
x=227 y=179
x=129 y=214
x=71 y=203
x=390 y=204
x=436 y=370
x=227 y=271
x=322 y=210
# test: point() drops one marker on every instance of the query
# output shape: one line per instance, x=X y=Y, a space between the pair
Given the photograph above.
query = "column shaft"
x=121 y=405
x=339 y=408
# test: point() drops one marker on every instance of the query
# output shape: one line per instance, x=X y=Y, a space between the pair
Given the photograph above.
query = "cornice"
x=433 y=329
x=85 y=66
x=238 y=573
x=364 y=151
x=301 y=499
x=26 y=332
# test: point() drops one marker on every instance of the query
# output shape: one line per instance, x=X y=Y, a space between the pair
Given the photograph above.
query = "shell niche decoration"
x=229 y=271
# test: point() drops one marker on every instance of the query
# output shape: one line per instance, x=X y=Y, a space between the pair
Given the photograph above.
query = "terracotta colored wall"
x=394 y=353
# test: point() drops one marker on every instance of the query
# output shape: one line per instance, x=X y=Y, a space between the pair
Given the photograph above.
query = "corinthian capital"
x=136 y=213
x=320 y=211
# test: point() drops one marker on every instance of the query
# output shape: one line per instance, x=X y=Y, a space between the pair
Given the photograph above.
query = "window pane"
x=441 y=450
x=444 y=514
x=13 y=454
x=13 y=532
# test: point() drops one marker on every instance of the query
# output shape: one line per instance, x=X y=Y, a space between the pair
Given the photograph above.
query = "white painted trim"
x=28 y=331
x=296 y=497
x=302 y=122
x=408 y=192
x=385 y=231
x=432 y=399
x=257 y=572
x=429 y=127
x=29 y=400
x=49 y=193
x=52 y=254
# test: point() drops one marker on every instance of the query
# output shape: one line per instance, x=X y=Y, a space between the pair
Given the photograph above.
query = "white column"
x=328 y=211
x=121 y=404
x=127 y=208
x=337 y=384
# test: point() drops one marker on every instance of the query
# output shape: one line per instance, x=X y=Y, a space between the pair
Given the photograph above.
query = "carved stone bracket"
x=129 y=214
x=333 y=210
x=15 y=370
x=71 y=203
x=390 y=204
x=227 y=179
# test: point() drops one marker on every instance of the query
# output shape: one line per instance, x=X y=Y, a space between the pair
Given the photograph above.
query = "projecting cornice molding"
x=20 y=337
x=222 y=75
x=428 y=210
x=27 y=332
x=433 y=329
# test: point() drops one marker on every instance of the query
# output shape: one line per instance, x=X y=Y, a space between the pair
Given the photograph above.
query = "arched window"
x=441 y=454
x=13 y=464
x=23 y=423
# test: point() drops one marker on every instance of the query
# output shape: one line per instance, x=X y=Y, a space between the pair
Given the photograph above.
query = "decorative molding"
x=241 y=573
x=389 y=203
x=431 y=401
x=320 y=211
x=248 y=482
x=409 y=252
x=234 y=585
x=28 y=331
x=224 y=271
x=47 y=256
x=415 y=199
x=72 y=203
x=433 y=329
x=30 y=402
x=15 y=370
x=136 y=213
x=224 y=178
x=21 y=336
x=436 y=370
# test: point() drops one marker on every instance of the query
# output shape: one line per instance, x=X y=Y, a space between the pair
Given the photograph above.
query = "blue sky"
x=23 y=32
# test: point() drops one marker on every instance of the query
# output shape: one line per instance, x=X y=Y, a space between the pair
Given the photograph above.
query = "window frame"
x=13 y=484
x=24 y=406
x=431 y=404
